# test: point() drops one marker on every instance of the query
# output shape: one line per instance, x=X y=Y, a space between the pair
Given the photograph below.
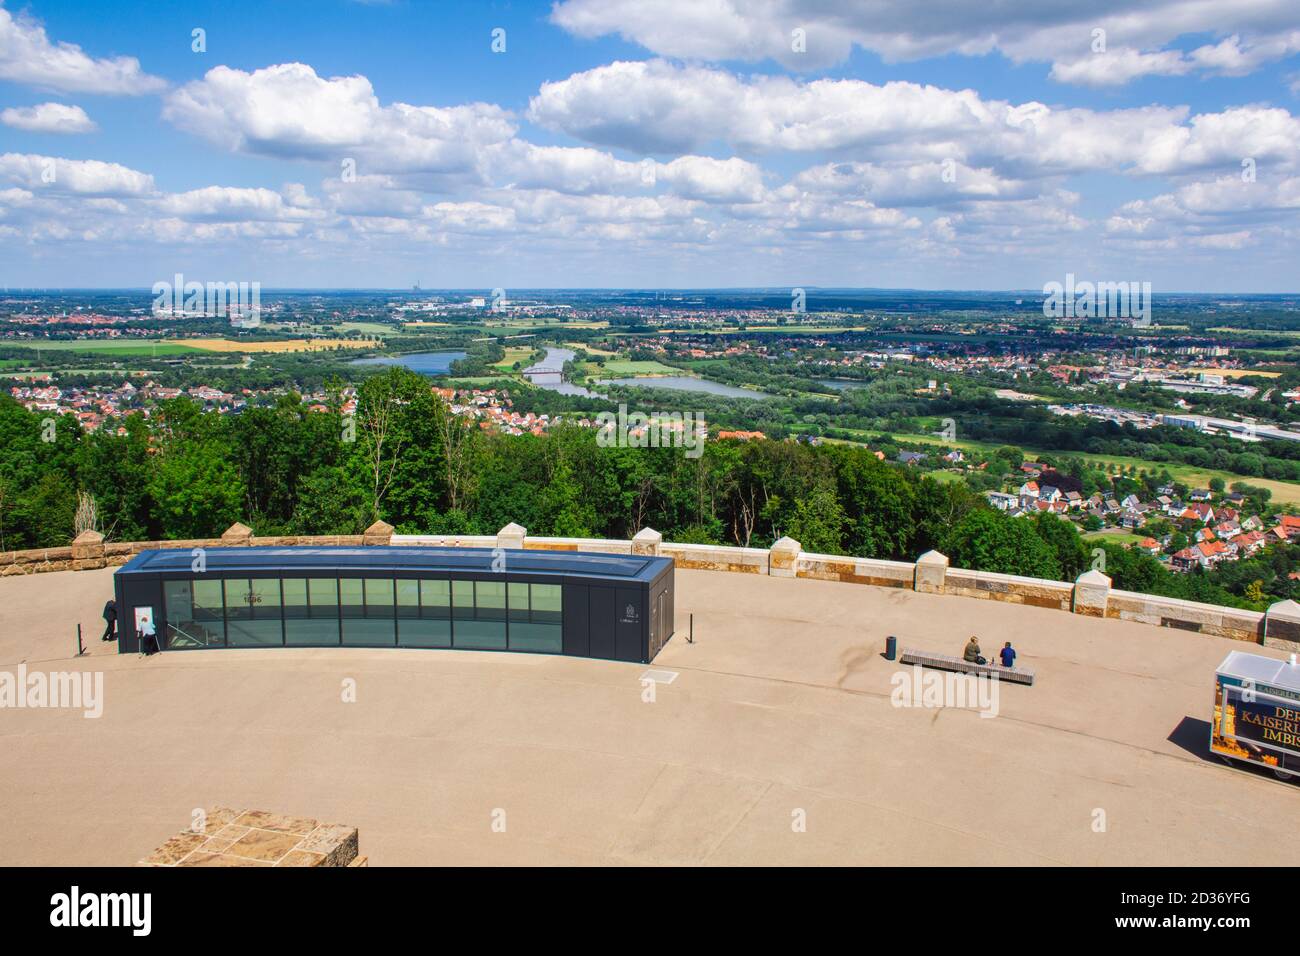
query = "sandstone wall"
x=1090 y=595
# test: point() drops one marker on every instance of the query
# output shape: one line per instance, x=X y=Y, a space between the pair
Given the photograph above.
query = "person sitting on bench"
x=1008 y=655
x=972 y=655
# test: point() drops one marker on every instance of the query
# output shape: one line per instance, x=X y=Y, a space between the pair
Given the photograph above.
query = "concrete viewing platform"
x=776 y=741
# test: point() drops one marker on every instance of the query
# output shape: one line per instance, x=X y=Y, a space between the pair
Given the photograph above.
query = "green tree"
x=1064 y=542
x=818 y=522
x=986 y=540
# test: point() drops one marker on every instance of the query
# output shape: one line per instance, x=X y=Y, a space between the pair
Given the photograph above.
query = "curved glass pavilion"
x=613 y=607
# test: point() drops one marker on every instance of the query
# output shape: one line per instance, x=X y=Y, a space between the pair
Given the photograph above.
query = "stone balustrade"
x=1091 y=594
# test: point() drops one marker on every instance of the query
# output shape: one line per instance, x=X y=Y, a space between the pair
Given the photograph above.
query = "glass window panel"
x=352 y=597
x=462 y=599
x=208 y=603
x=324 y=596
x=295 y=597
x=238 y=600
x=424 y=632
x=369 y=632
x=518 y=595
x=547 y=600
x=538 y=638
x=249 y=622
x=408 y=597
x=379 y=597
x=435 y=599
x=311 y=623
x=184 y=627
x=367 y=606
x=480 y=635
x=266 y=598
x=490 y=600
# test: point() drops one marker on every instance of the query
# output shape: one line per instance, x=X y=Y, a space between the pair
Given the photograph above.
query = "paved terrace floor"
x=781 y=704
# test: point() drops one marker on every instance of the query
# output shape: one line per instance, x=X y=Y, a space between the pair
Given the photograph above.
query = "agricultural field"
x=161 y=348
x=366 y=328
x=591 y=349
x=509 y=328
x=1115 y=536
x=1272 y=333
x=628 y=367
x=125 y=348
x=279 y=345
x=482 y=381
x=515 y=353
x=1229 y=372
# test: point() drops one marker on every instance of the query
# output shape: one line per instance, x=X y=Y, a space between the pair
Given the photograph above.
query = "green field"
x=367 y=328
x=482 y=380
x=123 y=347
x=943 y=475
x=1115 y=536
x=525 y=325
x=591 y=349
x=628 y=367
x=515 y=353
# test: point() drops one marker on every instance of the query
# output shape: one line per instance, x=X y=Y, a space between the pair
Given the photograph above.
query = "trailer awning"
x=1261 y=670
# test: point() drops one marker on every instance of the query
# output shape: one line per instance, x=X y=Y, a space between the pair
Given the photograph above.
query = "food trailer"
x=1257 y=712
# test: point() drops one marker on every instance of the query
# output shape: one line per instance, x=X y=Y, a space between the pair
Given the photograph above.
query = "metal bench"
x=1016 y=675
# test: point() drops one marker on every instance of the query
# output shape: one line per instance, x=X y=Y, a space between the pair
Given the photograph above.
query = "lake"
x=683 y=383
x=842 y=383
x=426 y=363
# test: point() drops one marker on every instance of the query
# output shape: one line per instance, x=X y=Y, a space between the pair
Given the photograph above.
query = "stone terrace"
x=782 y=705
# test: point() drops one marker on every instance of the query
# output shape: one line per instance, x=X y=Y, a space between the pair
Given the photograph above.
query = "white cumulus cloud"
x=28 y=56
x=48 y=118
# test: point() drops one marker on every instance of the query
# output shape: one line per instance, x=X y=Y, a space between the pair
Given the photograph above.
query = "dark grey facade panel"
x=600 y=622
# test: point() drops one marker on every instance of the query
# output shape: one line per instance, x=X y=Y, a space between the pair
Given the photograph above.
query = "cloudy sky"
x=938 y=144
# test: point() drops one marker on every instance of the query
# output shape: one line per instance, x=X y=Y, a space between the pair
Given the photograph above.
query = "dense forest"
x=405 y=458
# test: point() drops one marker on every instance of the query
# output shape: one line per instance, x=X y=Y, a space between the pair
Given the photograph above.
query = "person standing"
x=110 y=621
x=148 y=637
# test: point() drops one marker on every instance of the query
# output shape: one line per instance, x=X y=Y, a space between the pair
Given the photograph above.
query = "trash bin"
x=891 y=648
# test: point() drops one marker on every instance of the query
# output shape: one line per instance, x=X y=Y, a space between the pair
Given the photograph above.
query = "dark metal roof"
x=343 y=559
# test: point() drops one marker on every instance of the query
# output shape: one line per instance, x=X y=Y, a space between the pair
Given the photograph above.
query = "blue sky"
x=652 y=143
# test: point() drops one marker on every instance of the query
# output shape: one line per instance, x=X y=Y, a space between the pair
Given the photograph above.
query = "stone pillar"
x=380 y=533
x=781 y=562
x=647 y=542
x=1282 y=626
x=931 y=572
x=237 y=536
x=1091 y=594
x=512 y=536
x=88 y=551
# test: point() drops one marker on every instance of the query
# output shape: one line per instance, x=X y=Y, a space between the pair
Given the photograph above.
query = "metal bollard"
x=891 y=648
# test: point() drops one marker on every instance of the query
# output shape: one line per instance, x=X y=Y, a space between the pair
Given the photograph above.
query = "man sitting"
x=1008 y=655
x=972 y=654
